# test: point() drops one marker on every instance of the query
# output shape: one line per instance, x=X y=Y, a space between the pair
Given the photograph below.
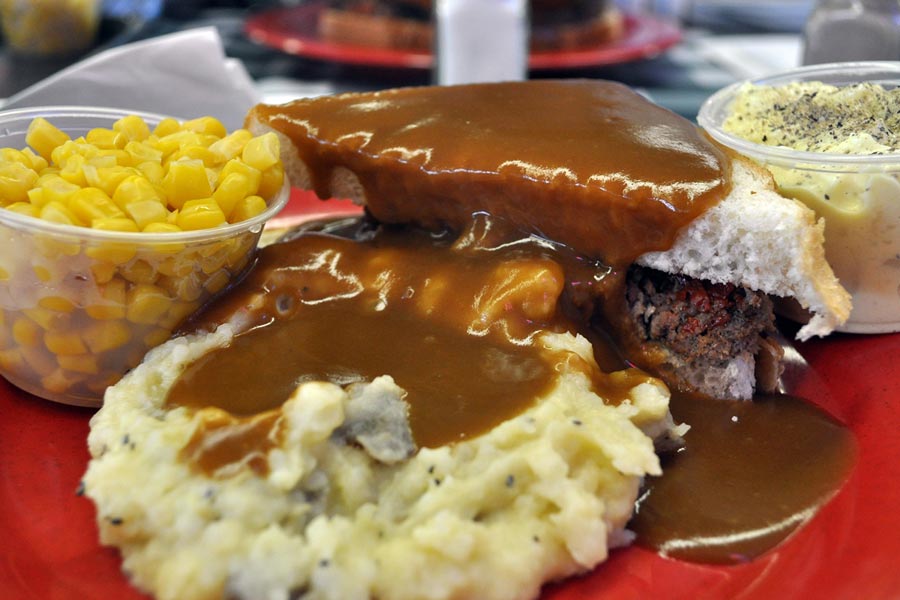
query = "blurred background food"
x=717 y=42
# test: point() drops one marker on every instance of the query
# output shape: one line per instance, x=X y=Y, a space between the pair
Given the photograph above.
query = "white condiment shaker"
x=852 y=30
x=481 y=40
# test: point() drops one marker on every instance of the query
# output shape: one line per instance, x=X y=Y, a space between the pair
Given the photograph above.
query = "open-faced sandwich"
x=442 y=398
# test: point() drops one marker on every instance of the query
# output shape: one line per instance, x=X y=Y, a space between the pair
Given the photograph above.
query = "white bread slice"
x=763 y=241
x=754 y=237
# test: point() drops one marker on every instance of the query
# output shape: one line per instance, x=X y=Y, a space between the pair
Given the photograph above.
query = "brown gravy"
x=590 y=164
x=455 y=327
x=749 y=475
x=400 y=303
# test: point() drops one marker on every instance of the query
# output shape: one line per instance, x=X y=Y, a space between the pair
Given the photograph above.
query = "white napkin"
x=183 y=75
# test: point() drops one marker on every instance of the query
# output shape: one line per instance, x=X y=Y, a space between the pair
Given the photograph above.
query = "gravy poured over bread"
x=592 y=165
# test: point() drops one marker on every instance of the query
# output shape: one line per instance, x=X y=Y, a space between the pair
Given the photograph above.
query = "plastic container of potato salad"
x=81 y=306
x=853 y=184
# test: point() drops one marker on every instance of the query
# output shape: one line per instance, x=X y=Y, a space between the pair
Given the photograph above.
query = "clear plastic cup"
x=858 y=195
x=79 y=307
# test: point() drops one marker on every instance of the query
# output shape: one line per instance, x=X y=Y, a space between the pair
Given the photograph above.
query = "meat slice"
x=708 y=335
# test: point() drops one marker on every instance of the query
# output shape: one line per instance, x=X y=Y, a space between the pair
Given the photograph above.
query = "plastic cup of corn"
x=114 y=228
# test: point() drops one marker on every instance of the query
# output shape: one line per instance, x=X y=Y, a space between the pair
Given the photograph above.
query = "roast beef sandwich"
x=695 y=239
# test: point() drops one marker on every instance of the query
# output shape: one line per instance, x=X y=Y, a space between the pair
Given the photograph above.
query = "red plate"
x=851 y=549
x=295 y=30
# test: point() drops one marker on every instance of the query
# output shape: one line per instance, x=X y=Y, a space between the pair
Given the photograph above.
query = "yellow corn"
x=12 y=361
x=262 y=152
x=163 y=228
x=145 y=212
x=200 y=214
x=196 y=152
x=41 y=362
x=111 y=304
x=146 y=304
x=248 y=208
x=236 y=166
x=132 y=127
x=26 y=332
x=16 y=179
x=206 y=125
x=37 y=163
x=79 y=363
x=165 y=127
x=139 y=271
x=107 y=178
x=105 y=139
x=176 y=163
x=73 y=170
x=177 y=266
x=116 y=156
x=217 y=281
x=186 y=180
x=101 y=270
x=178 y=313
x=48 y=320
x=44 y=137
x=36 y=198
x=58 y=381
x=56 y=189
x=102 y=336
x=231 y=145
x=143 y=152
x=114 y=224
x=231 y=190
x=184 y=288
x=64 y=342
x=42 y=273
x=91 y=203
x=13 y=155
x=154 y=173
x=56 y=303
x=156 y=337
x=271 y=181
x=24 y=208
x=136 y=188
x=70 y=149
x=116 y=253
x=57 y=212
x=102 y=160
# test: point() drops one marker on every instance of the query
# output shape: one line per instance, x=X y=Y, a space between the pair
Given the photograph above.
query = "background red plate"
x=295 y=30
x=850 y=550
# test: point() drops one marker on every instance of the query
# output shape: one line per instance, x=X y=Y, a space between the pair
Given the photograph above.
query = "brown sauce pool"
x=749 y=475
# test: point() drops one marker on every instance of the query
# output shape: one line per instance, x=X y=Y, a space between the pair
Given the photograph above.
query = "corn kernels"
x=146 y=304
x=43 y=137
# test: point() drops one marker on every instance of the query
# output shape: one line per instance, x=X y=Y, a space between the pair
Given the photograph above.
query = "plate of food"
x=522 y=458
x=363 y=35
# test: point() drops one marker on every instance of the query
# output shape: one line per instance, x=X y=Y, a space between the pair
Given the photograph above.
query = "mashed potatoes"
x=860 y=202
x=541 y=496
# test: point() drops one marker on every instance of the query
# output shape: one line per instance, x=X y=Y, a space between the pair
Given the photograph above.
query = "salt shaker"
x=481 y=40
x=852 y=30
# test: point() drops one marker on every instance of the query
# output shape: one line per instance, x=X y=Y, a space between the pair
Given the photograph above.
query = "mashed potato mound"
x=540 y=497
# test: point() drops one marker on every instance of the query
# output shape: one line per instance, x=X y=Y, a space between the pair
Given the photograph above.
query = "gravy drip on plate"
x=610 y=174
x=750 y=473
x=454 y=321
